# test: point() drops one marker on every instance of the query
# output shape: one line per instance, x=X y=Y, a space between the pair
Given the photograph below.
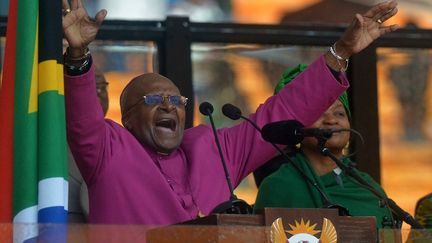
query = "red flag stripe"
x=6 y=116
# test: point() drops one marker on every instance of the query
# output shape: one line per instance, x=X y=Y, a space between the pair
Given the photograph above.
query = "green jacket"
x=287 y=188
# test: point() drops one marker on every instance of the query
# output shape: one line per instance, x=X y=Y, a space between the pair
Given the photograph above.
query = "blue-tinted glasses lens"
x=175 y=100
x=153 y=99
x=158 y=99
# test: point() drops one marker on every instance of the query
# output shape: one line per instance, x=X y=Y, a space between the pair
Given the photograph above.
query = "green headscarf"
x=291 y=73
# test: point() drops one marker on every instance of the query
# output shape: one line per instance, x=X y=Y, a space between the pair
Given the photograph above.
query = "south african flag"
x=33 y=152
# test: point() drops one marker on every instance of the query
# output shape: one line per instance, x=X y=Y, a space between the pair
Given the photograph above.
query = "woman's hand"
x=366 y=28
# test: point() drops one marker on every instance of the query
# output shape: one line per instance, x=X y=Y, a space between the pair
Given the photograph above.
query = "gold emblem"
x=302 y=232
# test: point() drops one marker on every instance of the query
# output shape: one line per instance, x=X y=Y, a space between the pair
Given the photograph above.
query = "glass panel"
x=120 y=61
x=405 y=124
x=243 y=75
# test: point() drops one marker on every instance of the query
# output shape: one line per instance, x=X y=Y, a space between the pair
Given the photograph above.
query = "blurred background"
x=245 y=74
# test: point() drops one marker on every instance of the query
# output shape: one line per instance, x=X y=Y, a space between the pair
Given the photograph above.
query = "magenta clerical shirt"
x=131 y=184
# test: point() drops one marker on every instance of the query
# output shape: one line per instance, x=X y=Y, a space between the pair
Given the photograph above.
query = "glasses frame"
x=182 y=100
x=184 y=103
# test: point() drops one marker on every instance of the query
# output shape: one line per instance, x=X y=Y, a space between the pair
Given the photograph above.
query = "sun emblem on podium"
x=302 y=232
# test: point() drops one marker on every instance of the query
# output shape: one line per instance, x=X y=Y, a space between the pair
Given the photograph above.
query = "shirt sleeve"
x=304 y=100
x=85 y=124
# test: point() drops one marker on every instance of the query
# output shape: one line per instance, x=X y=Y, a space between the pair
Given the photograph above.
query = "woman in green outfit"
x=289 y=189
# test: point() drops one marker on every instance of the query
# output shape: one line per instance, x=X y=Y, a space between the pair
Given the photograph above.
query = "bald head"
x=158 y=125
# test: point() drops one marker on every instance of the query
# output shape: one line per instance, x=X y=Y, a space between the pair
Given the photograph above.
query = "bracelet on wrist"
x=339 y=58
x=77 y=67
x=76 y=59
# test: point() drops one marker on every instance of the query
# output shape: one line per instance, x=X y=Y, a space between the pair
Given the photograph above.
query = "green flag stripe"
x=25 y=150
x=52 y=136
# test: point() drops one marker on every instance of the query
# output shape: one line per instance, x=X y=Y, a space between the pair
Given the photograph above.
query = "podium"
x=313 y=223
x=226 y=231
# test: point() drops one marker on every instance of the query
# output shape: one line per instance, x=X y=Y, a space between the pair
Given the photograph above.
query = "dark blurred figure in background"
x=415 y=68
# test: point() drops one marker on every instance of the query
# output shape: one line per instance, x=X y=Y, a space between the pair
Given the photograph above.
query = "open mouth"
x=166 y=123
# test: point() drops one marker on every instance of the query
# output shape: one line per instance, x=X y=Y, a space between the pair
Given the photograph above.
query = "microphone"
x=234 y=113
x=292 y=132
x=234 y=205
x=231 y=111
x=206 y=109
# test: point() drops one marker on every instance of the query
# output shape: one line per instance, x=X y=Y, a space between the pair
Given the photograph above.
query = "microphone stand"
x=349 y=170
x=228 y=178
x=234 y=205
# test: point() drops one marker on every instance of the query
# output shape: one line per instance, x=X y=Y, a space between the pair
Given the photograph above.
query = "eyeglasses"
x=176 y=100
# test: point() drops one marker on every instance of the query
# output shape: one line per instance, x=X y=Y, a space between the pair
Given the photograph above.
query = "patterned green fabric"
x=291 y=73
x=288 y=189
x=423 y=211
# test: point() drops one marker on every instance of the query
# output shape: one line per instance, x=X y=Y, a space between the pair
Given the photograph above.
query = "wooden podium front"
x=348 y=229
x=257 y=228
